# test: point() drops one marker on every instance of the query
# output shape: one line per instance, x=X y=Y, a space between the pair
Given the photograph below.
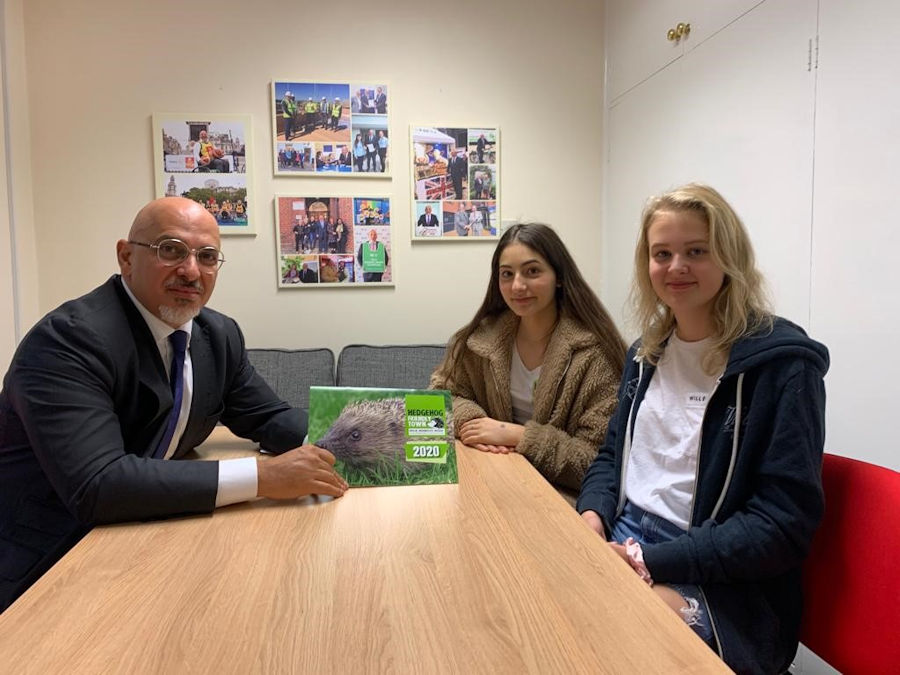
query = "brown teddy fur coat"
x=574 y=397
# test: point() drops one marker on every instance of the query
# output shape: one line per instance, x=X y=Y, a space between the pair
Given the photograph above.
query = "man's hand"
x=307 y=470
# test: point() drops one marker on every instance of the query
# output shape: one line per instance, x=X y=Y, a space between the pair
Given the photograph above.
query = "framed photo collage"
x=334 y=130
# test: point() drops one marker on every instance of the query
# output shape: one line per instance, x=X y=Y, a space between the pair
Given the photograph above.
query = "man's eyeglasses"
x=172 y=252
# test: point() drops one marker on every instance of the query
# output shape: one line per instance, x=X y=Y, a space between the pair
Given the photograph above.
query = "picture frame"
x=333 y=241
x=330 y=129
x=455 y=175
x=207 y=157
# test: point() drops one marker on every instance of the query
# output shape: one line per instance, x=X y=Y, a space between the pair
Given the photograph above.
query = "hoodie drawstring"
x=734 y=445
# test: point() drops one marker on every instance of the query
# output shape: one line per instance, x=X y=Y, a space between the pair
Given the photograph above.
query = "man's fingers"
x=325 y=454
x=326 y=488
x=332 y=477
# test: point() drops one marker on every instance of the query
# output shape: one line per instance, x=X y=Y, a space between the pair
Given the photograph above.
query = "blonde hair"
x=740 y=307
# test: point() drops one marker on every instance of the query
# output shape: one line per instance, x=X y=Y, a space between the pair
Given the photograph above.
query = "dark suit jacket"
x=423 y=222
x=459 y=166
x=84 y=405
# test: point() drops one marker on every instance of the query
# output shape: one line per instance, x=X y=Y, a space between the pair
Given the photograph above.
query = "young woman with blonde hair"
x=709 y=483
x=536 y=368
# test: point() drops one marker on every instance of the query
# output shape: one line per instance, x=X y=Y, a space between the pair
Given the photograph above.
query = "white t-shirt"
x=662 y=465
x=521 y=388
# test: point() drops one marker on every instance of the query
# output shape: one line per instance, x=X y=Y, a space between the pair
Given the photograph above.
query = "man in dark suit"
x=480 y=146
x=91 y=412
x=478 y=186
x=428 y=224
x=459 y=167
x=371 y=149
x=321 y=235
x=380 y=101
x=364 y=106
x=308 y=275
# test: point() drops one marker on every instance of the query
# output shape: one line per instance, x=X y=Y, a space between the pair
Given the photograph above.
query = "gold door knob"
x=682 y=30
x=671 y=36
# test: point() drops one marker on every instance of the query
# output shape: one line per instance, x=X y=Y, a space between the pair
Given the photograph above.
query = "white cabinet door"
x=636 y=31
x=857 y=229
x=736 y=113
x=636 y=44
x=708 y=17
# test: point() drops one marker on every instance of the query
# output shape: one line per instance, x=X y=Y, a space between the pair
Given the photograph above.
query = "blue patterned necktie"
x=176 y=380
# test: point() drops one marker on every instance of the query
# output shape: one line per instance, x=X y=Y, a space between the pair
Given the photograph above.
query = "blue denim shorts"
x=647 y=528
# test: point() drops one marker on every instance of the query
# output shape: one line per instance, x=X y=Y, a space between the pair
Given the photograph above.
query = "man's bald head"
x=173 y=210
x=174 y=292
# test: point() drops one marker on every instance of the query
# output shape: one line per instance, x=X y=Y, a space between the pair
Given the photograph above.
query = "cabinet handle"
x=680 y=31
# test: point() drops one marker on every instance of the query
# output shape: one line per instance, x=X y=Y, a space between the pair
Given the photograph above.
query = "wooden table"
x=494 y=575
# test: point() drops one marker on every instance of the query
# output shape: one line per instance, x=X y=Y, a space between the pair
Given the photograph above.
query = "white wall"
x=8 y=330
x=19 y=295
x=97 y=71
x=854 y=299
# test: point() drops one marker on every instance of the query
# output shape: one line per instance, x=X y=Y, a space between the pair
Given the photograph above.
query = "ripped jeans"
x=647 y=528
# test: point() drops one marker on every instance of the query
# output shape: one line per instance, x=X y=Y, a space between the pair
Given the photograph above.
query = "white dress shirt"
x=237 y=477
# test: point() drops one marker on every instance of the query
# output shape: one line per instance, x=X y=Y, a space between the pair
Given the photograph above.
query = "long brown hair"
x=574 y=298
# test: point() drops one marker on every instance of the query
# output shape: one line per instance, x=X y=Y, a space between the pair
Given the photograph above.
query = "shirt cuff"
x=237 y=481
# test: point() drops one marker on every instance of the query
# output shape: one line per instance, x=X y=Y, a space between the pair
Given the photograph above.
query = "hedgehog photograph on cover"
x=368 y=439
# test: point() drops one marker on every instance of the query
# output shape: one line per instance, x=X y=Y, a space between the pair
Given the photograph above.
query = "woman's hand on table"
x=496 y=449
x=489 y=433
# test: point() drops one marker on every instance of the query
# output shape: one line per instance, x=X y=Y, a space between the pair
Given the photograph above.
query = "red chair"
x=851 y=580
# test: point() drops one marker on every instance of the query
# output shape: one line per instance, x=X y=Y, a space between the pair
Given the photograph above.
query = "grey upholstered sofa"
x=291 y=372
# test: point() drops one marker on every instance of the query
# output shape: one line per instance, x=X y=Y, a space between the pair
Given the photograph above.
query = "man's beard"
x=176 y=316
x=184 y=310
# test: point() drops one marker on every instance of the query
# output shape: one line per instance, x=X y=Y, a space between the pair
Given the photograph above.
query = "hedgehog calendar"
x=385 y=436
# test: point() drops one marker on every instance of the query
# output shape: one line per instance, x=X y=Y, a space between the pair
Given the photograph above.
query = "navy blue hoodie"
x=758 y=493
